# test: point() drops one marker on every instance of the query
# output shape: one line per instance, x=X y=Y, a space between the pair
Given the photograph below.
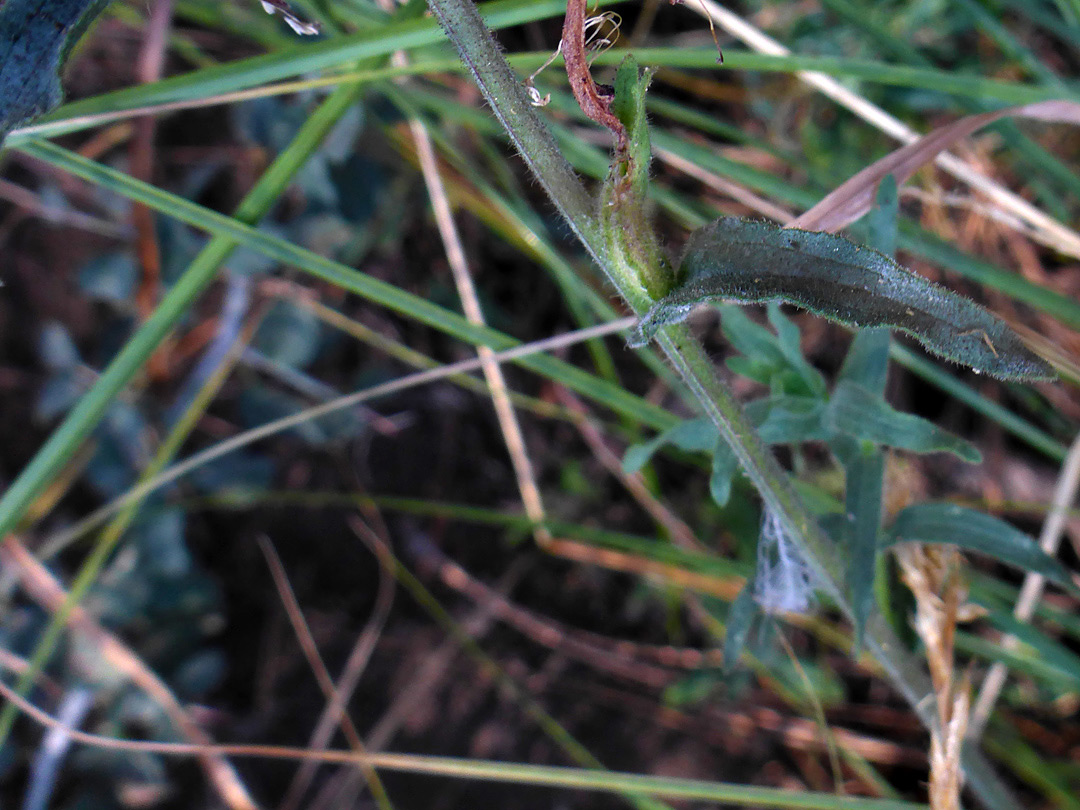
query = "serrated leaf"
x=856 y=412
x=757 y=262
x=975 y=531
x=35 y=36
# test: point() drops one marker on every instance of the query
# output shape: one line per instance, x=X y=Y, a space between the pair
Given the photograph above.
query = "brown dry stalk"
x=933 y=575
x=596 y=106
x=150 y=68
x=640 y=566
x=634 y=483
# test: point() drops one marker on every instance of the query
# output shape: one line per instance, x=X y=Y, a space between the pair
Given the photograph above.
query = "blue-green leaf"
x=789 y=342
x=724 y=466
x=969 y=529
x=756 y=262
x=740 y=620
x=865 y=474
x=35 y=36
x=692 y=435
x=857 y=412
x=867 y=360
x=789 y=419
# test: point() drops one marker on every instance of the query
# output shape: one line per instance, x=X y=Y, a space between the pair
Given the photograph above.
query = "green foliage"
x=344 y=208
x=624 y=206
x=976 y=531
x=35 y=37
x=734 y=259
x=858 y=413
x=801 y=409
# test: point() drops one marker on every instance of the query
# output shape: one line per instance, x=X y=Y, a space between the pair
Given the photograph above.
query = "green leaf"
x=857 y=412
x=789 y=419
x=755 y=262
x=624 y=209
x=969 y=529
x=867 y=360
x=35 y=37
x=724 y=466
x=1051 y=653
x=740 y=620
x=760 y=358
x=629 y=107
x=691 y=435
x=788 y=340
x=865 y=474
x=289 y=335
x=882 y=217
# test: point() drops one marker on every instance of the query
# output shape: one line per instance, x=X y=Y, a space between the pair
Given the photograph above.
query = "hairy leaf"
x=35 y=36
x=756 y=262
x=969 y=529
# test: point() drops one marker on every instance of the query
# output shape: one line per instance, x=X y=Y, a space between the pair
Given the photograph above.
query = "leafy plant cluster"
x=158 y=597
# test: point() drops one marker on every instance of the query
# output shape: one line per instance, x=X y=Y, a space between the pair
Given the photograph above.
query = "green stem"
x=503 y=91
x=534 y=142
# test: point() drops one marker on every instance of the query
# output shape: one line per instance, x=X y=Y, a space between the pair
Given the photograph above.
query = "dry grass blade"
x=1044 y=228
x=470 y=302
x=341 y=692
x=855 y=197
x=1031 y=590
x=322 y=675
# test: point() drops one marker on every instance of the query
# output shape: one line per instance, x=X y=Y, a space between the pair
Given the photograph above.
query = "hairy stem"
x=505 y=94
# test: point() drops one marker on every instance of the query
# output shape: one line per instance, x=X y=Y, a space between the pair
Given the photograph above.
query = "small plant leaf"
x=724 y=467
x=35 y=37
x=740 y=620
x=788 y=419
x=867 y=360
x=693 y=436
x=757 y=262
x=882 y=218
x=789 y=342
x=975 y=531
x=865 y=475
x=857 y=412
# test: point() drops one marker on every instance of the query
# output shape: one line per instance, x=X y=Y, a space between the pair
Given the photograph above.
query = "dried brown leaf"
x=854 y=197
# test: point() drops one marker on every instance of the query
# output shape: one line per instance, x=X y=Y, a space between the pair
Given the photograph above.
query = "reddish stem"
x=586 y=93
